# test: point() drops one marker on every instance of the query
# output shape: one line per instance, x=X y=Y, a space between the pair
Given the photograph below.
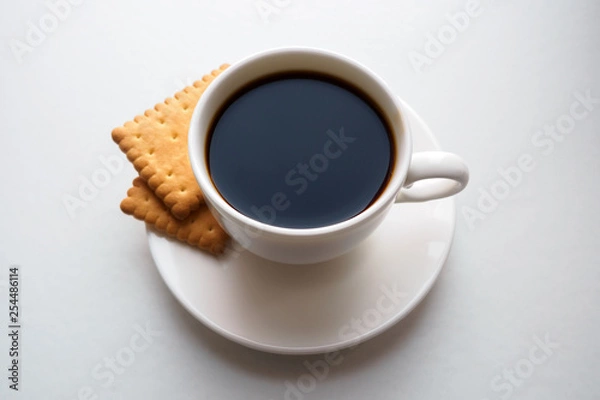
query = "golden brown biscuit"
x=199 y=229
x=156 y=144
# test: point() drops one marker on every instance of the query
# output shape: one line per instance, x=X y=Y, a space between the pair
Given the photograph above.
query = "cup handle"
x=433 y=175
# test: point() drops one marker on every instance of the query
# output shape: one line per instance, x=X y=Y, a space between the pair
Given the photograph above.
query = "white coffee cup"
x=414 y=177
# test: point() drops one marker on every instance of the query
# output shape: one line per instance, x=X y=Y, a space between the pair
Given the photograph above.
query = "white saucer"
x=323 y=307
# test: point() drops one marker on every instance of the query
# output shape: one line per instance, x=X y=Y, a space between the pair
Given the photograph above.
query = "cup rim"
x=197 y=139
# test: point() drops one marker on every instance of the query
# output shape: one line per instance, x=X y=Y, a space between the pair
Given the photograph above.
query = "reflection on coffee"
x=299 y=151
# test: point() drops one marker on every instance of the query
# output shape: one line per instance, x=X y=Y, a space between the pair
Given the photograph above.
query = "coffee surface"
x=299 y=151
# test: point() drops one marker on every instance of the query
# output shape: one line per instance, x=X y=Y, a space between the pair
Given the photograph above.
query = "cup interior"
x=287 y=60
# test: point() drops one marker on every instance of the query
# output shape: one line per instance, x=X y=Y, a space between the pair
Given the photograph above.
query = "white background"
x=529 y=269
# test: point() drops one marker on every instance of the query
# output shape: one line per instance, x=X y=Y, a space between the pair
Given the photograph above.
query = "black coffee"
x=299 y=151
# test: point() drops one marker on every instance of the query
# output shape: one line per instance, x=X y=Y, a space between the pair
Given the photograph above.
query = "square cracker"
x=156 y=143
x=199 y=229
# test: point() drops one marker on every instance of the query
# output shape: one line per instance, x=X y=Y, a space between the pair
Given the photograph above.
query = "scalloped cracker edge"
x=156 y=143
x=199 y=229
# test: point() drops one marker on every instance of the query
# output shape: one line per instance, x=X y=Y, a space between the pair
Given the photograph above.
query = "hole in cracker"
x=151 y=151
x=175 y=135
x=162 y=121
x=139 y=135
x=210 y=228
x=170 y=174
